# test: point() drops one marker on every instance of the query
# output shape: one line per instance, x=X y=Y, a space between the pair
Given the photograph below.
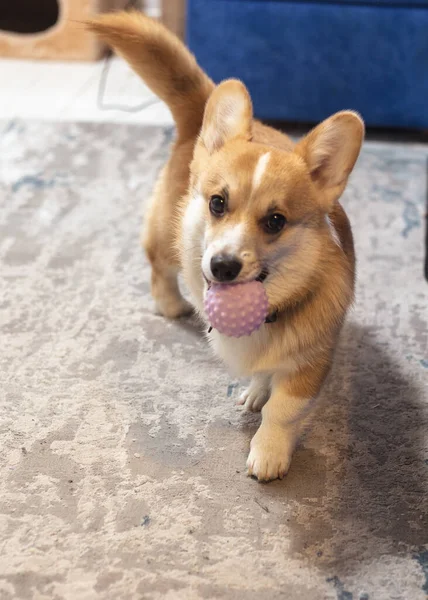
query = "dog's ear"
x=228 y=114
x=330 y=152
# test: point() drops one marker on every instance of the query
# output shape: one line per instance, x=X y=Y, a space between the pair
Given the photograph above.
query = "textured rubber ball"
x=237 y=309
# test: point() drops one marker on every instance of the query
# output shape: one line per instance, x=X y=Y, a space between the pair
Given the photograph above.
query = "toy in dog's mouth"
x=237 y=309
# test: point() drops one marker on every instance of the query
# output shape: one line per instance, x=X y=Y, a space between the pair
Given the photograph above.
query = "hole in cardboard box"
x=28 y=16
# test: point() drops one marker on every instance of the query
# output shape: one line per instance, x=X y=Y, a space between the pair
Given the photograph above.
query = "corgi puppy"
x=239 y=201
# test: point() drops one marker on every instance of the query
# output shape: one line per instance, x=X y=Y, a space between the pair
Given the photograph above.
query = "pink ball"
x=237 y=309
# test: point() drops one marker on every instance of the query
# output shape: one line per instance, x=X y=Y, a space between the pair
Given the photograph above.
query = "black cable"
x=102 y=88
x=103 y=84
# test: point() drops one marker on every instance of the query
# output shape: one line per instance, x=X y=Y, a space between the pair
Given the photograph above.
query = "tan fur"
x=311 y=262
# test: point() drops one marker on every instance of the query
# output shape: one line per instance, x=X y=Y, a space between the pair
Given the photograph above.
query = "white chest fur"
x=264 y=351
x=192 y=249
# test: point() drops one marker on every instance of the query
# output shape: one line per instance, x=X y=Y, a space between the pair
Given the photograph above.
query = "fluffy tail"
x=163 y=62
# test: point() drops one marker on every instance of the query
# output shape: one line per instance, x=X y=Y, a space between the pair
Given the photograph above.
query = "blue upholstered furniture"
x=303 y=61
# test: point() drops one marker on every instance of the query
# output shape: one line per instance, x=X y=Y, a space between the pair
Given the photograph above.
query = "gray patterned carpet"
x=122 y=453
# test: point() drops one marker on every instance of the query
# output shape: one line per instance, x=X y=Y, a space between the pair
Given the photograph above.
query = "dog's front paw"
x=270 y=455
x=254 y=397
x=253 y=400
x=173 y=307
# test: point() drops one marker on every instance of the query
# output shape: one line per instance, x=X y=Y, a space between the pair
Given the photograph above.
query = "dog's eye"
x=274 y=223
x=217 y=206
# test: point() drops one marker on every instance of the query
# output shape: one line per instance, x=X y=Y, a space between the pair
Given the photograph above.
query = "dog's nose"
x=225 y=268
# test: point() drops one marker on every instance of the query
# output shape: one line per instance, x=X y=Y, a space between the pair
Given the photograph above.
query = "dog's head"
x=262 y=212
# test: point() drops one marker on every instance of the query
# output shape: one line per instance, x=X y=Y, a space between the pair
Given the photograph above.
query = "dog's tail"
x=163 y=62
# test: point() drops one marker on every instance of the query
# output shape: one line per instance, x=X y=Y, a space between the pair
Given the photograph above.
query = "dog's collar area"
x=272 y=318
x=262 y=275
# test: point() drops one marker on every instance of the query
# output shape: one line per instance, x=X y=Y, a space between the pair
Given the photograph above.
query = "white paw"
x=270 y=457
x=253 y=398
x=173 y=308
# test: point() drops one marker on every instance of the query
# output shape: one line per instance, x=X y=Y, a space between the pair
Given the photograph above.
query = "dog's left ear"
x=330 y=152
x=228 y=114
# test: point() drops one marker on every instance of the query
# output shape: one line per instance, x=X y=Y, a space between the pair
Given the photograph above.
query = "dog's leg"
x=255 y=396
x=283 y=416
x=165 y=291
x=158 y=239
x=169 y=301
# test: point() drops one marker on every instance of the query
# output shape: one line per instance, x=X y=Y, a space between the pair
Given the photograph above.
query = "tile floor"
x=68 y=92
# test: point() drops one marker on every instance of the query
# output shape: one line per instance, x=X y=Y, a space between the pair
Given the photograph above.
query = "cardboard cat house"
x=51 y=29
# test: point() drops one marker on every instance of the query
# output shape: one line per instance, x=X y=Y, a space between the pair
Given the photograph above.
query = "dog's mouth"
x=261 y=278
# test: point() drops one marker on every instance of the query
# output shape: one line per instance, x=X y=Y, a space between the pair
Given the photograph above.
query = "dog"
x=239 y=201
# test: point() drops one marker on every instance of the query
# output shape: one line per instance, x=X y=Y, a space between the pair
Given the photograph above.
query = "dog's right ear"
x=330 y=152
x=228 y=114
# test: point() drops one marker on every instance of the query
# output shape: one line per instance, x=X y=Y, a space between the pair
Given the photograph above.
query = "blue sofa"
x=303 y=61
